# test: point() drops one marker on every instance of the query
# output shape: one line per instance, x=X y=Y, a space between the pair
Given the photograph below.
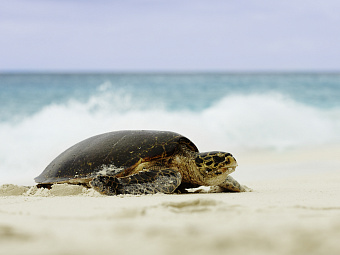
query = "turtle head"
x=215 y=166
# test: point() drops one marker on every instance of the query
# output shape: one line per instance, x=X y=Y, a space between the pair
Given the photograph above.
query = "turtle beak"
x=232 y=162
x=231 y=166
x=228 y=170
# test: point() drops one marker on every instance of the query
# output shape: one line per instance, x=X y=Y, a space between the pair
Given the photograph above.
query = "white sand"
x=295 y=215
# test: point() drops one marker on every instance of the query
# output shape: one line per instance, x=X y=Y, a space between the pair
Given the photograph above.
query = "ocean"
x=41 y=115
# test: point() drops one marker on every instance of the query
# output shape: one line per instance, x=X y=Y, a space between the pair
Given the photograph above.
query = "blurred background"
x=154 y=35
x=246 y=77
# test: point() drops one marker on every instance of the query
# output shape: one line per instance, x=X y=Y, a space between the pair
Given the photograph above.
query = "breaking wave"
x=234 y=123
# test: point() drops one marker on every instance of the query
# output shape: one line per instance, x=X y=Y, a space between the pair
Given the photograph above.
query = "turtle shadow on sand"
x=141 y=162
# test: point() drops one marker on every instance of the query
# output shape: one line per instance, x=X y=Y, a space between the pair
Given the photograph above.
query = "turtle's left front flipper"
x=231 y=185
x=145 y=182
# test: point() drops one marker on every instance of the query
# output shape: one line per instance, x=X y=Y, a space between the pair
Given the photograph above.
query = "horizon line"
x=172 y=71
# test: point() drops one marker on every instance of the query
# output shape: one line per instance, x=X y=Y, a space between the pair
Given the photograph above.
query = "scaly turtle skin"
x=140 y=162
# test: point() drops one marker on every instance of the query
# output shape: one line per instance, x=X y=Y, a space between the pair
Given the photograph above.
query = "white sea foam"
x=236 y=122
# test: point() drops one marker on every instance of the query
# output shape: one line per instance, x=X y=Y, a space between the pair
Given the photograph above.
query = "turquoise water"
x=25 y=94
x=43 y=114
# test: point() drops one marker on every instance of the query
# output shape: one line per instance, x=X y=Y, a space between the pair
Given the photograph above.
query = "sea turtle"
x=140 y=162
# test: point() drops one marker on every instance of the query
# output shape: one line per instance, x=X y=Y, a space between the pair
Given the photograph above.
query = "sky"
x=169 y=35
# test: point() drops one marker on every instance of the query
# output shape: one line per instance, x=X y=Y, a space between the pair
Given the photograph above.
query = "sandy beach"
x=284 y=215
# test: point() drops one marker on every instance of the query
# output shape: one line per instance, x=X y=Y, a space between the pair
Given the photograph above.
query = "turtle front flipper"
x=145 y=182
x=231 y=185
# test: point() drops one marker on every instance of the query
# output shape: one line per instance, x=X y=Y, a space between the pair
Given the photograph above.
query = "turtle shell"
x=119 y=150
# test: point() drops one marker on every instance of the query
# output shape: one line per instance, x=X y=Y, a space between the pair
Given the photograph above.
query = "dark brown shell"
x=121 y=149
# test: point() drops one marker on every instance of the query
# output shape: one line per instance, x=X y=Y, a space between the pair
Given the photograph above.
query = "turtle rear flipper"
x=145 y=182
